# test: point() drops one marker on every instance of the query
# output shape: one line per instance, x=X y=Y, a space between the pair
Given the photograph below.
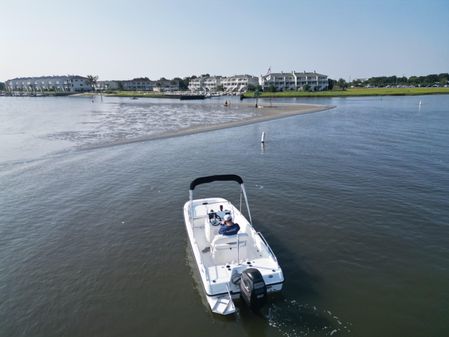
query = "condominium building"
x=164 y=85
x=280 y=81
x=138 y=84
x=108 y=85
x=293 y=81
x=196 y=84
x=212 y=83
x=205 y=83
x=237 y=83
x=69 y=83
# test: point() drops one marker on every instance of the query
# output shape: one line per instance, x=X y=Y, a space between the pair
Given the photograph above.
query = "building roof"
x=281 y=74
x=47 y=77
x=304 y=73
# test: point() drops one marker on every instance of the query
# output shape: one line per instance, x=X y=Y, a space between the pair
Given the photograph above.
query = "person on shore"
x=229 y=227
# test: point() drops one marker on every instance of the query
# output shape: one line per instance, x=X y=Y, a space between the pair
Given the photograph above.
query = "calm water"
x=354 y=201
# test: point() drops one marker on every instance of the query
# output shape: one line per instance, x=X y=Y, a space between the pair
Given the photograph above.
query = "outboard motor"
x=252 y=288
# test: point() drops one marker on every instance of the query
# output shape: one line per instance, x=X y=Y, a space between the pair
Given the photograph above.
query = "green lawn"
x=355 y=92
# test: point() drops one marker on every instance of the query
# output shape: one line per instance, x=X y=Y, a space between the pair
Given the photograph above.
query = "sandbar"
x=261 y=114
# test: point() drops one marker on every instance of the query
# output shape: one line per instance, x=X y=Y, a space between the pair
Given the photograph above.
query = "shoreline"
x=353 y=92
x=267 y=113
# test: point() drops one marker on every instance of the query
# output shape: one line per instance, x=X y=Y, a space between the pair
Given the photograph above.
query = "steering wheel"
x=214 y=222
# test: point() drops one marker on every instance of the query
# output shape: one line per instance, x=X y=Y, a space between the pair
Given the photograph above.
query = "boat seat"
x=230 y=248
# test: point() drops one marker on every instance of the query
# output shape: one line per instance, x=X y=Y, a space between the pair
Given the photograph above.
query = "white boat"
x=240 y=265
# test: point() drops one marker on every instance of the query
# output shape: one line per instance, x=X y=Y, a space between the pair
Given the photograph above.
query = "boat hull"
x=191 y=97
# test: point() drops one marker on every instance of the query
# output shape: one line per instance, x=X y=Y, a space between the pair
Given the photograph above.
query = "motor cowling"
x=252 y=288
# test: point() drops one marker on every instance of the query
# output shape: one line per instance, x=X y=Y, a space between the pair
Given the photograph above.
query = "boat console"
x=212 y=223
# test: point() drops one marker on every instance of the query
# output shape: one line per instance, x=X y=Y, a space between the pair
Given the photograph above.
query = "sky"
x=173 y=38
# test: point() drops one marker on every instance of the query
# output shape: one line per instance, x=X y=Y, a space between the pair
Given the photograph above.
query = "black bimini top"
x=209 y=179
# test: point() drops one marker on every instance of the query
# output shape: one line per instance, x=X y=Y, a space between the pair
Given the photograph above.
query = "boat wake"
x=293 y=319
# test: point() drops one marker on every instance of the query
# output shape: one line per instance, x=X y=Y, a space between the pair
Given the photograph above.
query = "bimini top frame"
x=222 y=177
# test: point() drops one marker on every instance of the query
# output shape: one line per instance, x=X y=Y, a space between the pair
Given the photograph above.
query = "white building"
x=107 y=85
x=164 y=85
x=205 y=83
x=294 y=81
x=213 y=83
x=196 y=84
x=239 y=83
x=138 y=84
x=69 y=83
x=280 y=81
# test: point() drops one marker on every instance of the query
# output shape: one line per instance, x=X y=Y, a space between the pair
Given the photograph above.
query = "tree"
x=251 y=87
x=356 y=83
x=402 y=80
x=413 y=80
x=443 y=76
x=183 y=83
x=432 y=79
x=271 y=88
x=331 y=83
x=92 y=80
x=2 y=86
x=306 y=87
x=342 y=84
